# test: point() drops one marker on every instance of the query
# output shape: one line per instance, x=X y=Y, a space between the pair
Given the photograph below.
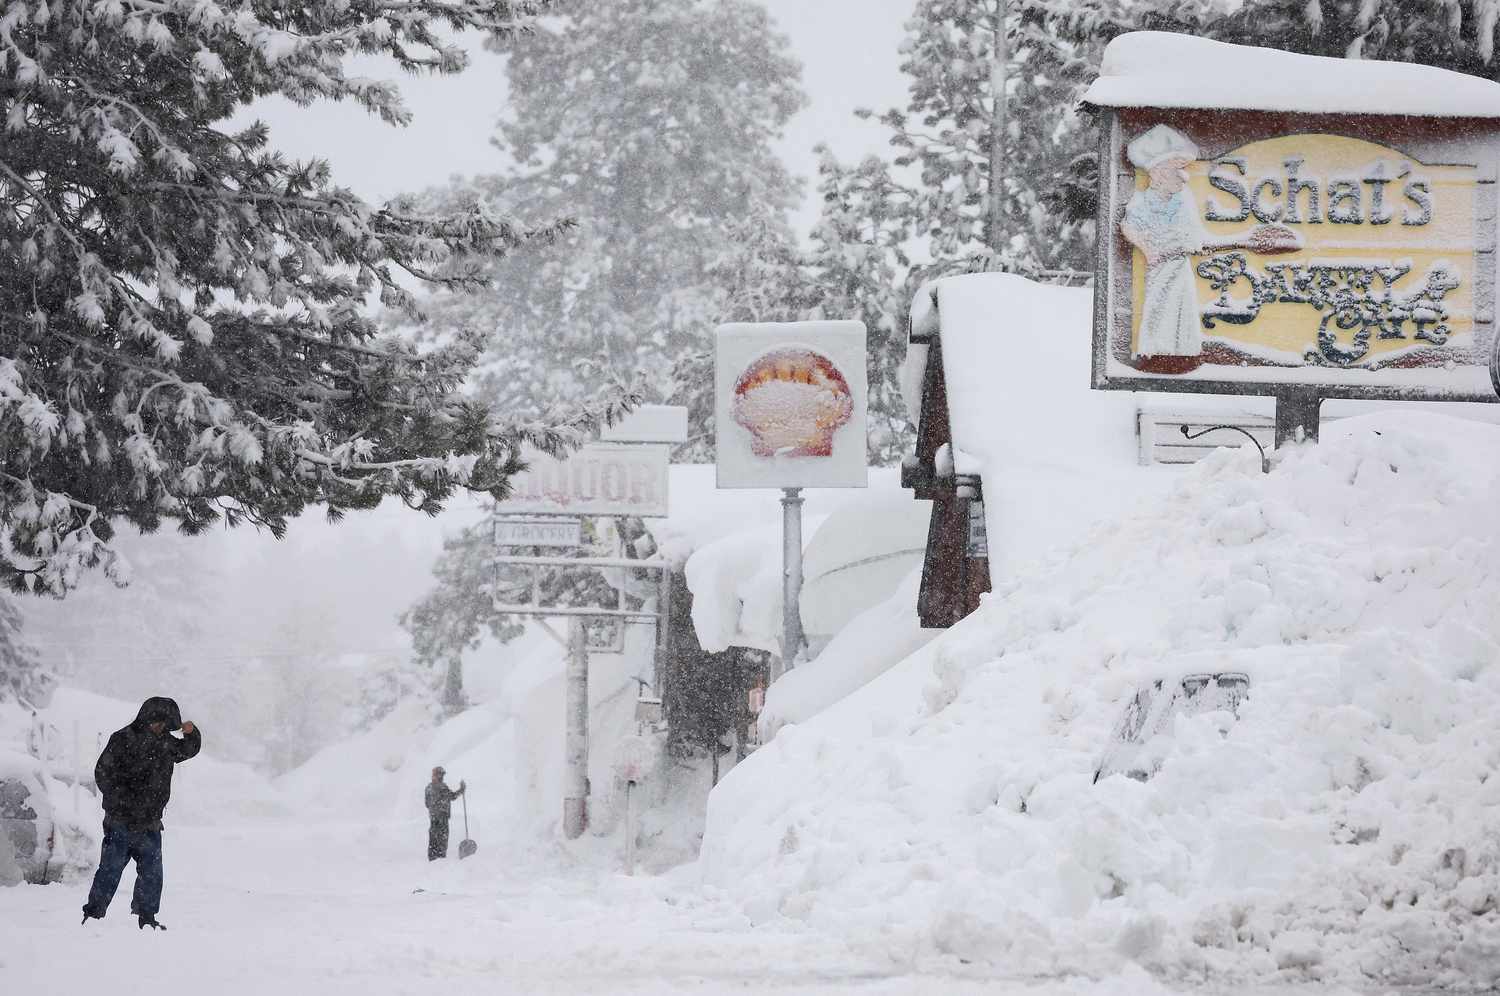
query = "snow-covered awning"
x=1159 y=69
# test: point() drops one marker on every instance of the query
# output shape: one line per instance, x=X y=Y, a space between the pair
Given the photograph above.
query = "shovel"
x=466 y=846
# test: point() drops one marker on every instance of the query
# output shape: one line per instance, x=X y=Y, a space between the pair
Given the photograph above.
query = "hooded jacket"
x=134 y=774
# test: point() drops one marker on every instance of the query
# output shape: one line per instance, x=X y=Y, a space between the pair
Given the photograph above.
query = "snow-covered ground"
x=315 y=907
x=938 y=831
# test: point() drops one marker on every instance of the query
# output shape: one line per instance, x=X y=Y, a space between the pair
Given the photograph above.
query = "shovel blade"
x=466 y=848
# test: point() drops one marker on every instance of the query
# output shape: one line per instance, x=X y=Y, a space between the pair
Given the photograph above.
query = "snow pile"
x=1341 y=829
x=732 y=553
x=875 y=641
x=1161 y=69
x=858 y=557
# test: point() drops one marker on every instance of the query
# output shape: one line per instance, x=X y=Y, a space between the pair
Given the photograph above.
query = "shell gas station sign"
x=790 y=404
x=1260 y=253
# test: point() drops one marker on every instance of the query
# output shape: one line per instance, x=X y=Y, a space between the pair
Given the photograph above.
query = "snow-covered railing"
x=68 y=757
x=1162 y=440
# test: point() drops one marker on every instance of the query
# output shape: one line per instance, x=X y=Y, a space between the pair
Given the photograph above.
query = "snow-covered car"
x=1150 y=712
x=27 y=836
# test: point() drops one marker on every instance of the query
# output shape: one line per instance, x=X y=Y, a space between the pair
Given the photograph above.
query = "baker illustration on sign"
x=1162 y=222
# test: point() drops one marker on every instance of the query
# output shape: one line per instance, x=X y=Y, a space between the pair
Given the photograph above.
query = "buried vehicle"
x=27 y=832
x=1151 y=710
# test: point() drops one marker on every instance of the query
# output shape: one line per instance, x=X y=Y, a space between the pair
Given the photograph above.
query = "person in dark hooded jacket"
x=134 y=775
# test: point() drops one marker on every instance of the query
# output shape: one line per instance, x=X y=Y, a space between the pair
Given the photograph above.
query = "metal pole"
x=791 y=576
x=629 y=828
x=663 y=631
x=576 y=733
x=1297 y=417
x=77 y=769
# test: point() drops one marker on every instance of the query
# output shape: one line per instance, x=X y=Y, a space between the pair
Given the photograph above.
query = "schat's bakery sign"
x=1260 y=253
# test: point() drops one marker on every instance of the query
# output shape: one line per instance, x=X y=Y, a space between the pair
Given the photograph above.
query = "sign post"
x=791 y=576
x=790 y=414
x=576 y=735
x=623 y=477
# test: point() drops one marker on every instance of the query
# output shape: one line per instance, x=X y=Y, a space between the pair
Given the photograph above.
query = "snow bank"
x=736 y=586
x=733 y=556
x=508 y=748
x=858 y=557
x=875 y=641
x=1342 y=829
x=1161 y=69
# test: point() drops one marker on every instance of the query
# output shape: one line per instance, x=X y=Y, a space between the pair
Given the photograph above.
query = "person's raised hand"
x=187 y=727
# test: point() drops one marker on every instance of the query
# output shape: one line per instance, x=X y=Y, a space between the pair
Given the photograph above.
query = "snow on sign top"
x=1160 y=69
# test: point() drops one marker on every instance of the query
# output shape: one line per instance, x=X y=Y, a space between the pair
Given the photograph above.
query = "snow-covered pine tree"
x=21 y=673
x=454 y=617
x=990 y=128
x=855 y=267
x=459 y=612
x=759 y=275
x=183 y=334
x=651 y=123
x=859 y=269
x=1453 y=34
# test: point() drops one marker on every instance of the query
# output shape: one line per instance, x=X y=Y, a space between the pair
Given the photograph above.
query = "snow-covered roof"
x=1055 y=455
x=1160 y=69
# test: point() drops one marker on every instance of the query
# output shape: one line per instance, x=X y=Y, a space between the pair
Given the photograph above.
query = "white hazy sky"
x=849 y=58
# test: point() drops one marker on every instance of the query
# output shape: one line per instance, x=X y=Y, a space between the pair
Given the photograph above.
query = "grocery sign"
x=599 y=479
x=1248 y=252
x=790 y=405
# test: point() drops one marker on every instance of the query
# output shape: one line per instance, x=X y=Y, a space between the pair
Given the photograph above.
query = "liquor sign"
x=538 y=532
x=790 y=405
x=599 y=479
x=1248 y=251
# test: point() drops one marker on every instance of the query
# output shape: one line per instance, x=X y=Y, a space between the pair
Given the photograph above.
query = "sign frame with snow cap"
x=1283 y=225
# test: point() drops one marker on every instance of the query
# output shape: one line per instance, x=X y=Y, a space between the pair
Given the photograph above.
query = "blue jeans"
x=121 y=846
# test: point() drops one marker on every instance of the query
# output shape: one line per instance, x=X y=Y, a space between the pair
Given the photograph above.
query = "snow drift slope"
x=1342 y=828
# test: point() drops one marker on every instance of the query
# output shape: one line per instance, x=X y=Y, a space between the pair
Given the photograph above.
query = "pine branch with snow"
x=183 y=331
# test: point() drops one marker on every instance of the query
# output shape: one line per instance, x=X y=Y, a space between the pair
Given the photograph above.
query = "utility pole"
x=576 y=731
x=995 y=226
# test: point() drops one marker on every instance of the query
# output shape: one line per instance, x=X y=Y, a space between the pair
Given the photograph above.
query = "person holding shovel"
x=439 y=809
